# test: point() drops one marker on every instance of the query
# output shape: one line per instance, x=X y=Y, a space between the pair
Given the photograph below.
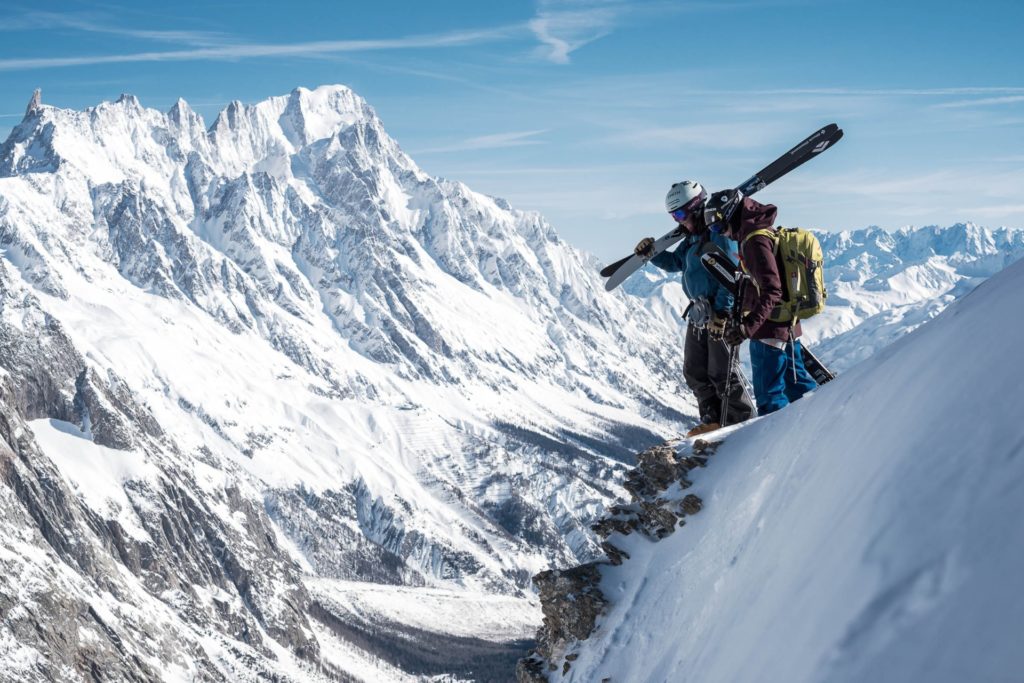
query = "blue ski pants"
x=779 y=375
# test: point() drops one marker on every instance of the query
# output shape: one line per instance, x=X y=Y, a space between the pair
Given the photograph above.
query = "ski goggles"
x=688 y=209
x=717 y=225
x=679 y=214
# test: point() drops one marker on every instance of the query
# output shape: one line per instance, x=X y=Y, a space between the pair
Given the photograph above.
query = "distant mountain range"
x=880 y=284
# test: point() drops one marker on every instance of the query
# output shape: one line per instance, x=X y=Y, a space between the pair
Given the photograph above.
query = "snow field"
x=868 y=532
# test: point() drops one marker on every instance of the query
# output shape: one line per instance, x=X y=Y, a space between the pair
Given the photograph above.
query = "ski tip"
x=610 y=269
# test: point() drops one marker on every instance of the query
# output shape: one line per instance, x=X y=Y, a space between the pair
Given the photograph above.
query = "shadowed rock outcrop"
x=571 y=599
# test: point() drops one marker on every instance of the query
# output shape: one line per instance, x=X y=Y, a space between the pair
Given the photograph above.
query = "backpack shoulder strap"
x=771 y=234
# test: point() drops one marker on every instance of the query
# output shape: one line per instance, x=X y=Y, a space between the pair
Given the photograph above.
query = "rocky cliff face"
x=132 y=586
x=571 y=599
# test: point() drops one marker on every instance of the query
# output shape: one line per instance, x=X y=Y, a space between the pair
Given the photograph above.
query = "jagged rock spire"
x=35 y=103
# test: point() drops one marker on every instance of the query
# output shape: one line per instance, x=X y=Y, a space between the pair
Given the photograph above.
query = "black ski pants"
x=705 y=368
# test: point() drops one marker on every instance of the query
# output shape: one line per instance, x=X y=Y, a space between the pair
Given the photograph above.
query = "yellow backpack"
x=801 y=267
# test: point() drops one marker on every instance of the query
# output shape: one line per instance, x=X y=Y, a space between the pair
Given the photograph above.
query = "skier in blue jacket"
x=705 y=355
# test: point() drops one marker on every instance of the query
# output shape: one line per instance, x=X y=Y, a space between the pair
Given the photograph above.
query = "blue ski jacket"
x=697 y=282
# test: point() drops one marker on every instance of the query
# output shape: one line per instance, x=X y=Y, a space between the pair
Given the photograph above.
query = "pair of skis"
x=810 y=147
x=727 y=274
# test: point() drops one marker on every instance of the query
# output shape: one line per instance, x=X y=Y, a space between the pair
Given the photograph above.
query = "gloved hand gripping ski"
x=734 y=334
x=644 y=248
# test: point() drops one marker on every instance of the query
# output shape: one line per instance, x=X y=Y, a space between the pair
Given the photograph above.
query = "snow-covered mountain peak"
x=295 y=240
x=252 y=135
x=128 y=100
x=243 y=138
x=321 y=113
x=110 y=142
x=34 y=103
x=962 y=240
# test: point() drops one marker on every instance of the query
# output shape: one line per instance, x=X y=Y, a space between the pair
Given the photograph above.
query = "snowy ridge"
x=852 y=536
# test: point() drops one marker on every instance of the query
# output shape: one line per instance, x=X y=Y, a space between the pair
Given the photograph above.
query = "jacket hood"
x=752 y=216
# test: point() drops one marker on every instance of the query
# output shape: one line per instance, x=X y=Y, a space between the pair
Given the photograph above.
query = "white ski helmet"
x=684 y=193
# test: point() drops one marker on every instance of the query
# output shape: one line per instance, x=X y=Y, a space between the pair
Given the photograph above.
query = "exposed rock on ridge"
x=571 y=599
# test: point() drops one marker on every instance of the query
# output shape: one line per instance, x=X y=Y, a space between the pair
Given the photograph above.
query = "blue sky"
x=588 y=111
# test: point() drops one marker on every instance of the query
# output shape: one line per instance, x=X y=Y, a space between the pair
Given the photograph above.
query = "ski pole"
x=734 y=352
x=724 y=420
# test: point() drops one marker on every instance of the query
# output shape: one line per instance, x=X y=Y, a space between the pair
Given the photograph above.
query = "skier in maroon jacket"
x=779 y=375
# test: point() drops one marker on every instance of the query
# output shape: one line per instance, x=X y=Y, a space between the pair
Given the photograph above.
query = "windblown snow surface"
x=870 y=532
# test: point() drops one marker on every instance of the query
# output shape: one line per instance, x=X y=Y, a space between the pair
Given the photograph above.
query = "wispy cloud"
x=561 y=26
x=961 y=191
x=892 y=199
x=234 y=52
x=565 y=26
x=875 y=185
x=440 y=75
x=90 y=24
x=893 y=92
x=580 y=171
x=984 y=102
x=494 y=141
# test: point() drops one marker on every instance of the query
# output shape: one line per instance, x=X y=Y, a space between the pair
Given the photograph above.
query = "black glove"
x=716 y=326
x=644 y=248
x=734 y=333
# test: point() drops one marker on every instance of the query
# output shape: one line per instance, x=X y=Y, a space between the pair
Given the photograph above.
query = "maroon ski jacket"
x=758 y=257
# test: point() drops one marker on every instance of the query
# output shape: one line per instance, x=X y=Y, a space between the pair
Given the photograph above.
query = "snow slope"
x=871 y=531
